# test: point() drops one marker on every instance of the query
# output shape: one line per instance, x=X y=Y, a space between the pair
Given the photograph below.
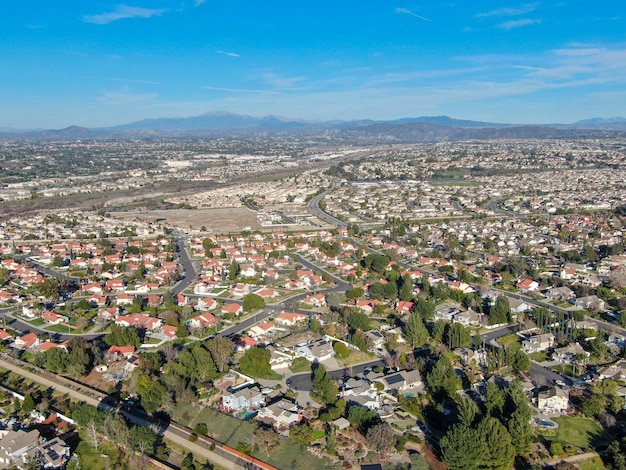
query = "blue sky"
x=99 y=63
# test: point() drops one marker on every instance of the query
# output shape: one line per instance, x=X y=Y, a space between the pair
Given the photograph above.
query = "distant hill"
x=417 y=129
x=448 y=121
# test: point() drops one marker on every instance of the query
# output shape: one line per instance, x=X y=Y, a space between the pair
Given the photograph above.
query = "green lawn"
x=36 y=321
x=60 y=328
x=511 y=341
x=299 y=365
x=579 y=432
x=595 y=463
x=540 y=356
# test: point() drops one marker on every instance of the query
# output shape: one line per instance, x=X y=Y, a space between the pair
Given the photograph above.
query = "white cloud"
x=122 y=12
x=508 y=25
x=509 y=11
x=230 y=54
x=406 y=11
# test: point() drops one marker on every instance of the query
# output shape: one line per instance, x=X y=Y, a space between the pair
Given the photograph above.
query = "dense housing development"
x=287 y=304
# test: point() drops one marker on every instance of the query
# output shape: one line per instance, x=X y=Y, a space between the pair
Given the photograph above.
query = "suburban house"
x=317 y=300
x=262 y=330
x=527 y=285
x=17 y=448
x=567 y=354
x=360 y=392
x=116 y=353
x=139 y=320
x=233 y=308
x=538 y=343
x=553 y=400
x=590 y=302
x=206 y=303
x=402 y=381
x=290 y=319
x=281 y=415
x=205 y=320
x=26 y=341
x=53 y=318
x=245 y=399
x=315 y=351
x=560 y=293
x=375 y=338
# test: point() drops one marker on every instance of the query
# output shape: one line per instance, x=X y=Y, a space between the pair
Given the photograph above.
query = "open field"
x=231 y=219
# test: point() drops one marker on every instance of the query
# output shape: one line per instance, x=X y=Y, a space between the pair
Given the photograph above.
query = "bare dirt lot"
x=231 y=219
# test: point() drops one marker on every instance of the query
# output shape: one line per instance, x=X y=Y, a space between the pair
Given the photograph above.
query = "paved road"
x=189 y=271
x=314 y=206
x=303 y=381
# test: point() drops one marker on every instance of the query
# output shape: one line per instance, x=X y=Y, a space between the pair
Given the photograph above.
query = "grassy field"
x=595 y=463
x=579 y=432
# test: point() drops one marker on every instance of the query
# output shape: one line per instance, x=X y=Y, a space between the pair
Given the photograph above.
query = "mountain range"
x=419 y=129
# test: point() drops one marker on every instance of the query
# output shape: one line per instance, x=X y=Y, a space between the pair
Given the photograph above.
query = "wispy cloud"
x=508 y=25
x=240 y=90
x=509 y=11
x=282 y=82
x=122 y=12
x=406 y=11
x=122 y=98
x=229 y=54
x=198 y=2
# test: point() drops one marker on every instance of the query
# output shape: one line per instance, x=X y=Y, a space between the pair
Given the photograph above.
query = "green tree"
x=359 y=321
x=324 y=386
x=361 y=417
x=415 y=331
x=255 y=362
x=442 y=380
x=463 y=448
x=467 y=411
x=520 y=361
x=381 y=437
x=494 y=400
x=501 y=311
x=301 y=433
x=341 y=350
x=406 y=291
x=521 y=432
x=28 y=404
x=49 y=288
x=234 y=270
x=56 y=360
x=355 y=293
x=144 y=439
x=252 y=302
x=457 y=336
x=500 y=451
x=425 y=308
x=182 y=330
x=221 y=350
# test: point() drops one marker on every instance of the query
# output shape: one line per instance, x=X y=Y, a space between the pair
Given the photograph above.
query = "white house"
x=281 y=415
x=553 y=400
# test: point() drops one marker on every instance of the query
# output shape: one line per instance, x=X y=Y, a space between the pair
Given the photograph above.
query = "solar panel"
x=394 y=379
